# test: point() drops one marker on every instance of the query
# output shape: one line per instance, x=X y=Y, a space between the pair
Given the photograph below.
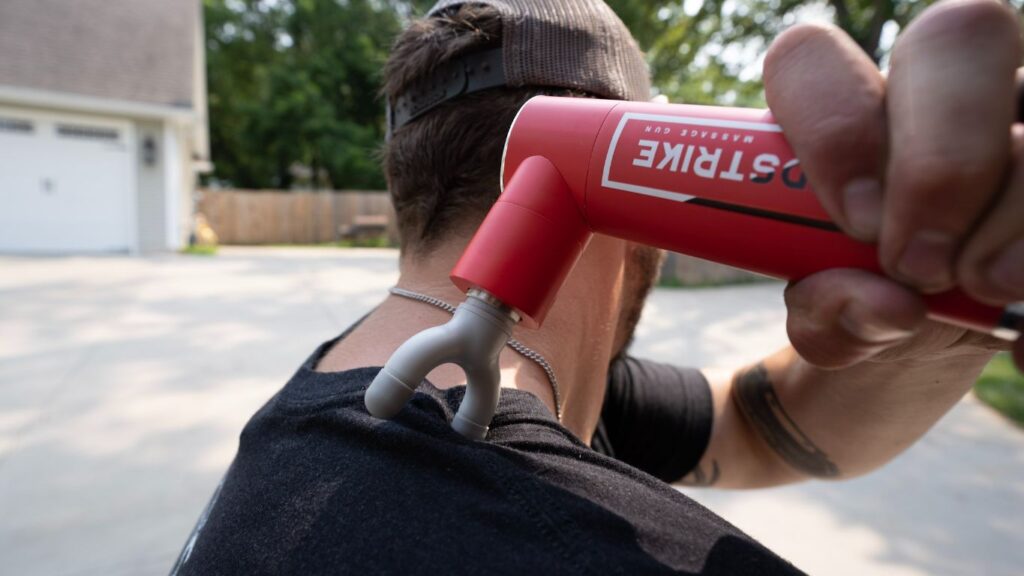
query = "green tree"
x=293 y=90
x=294 y=83
x=709 y=51
x=241 y=49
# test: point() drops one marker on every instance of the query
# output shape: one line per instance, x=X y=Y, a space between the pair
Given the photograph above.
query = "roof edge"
x=93 y=104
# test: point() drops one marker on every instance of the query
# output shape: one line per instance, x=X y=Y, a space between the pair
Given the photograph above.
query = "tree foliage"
x=294 y=83
x=293 y=90
x=710 y=51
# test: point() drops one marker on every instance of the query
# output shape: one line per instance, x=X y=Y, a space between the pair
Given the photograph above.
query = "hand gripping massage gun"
x=716 y=183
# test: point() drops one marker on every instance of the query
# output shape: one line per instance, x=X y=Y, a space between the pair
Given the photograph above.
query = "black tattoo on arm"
x=700 y=477
x=756 y=398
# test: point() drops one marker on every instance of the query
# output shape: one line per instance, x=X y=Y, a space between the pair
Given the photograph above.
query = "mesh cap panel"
x=579 y=44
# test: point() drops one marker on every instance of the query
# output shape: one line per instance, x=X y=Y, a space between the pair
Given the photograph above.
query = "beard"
x=643 y=263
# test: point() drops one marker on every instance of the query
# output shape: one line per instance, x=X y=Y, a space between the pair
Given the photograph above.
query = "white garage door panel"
x=66 y=186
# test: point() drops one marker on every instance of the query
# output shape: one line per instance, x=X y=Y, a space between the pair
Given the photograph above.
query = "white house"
x=103 y=124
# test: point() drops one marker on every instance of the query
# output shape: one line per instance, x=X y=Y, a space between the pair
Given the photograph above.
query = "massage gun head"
x=472 y=339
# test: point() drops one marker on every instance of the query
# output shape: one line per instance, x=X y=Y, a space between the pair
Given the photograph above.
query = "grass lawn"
x=199 y=250
x=1001 y=386
x=371 y=242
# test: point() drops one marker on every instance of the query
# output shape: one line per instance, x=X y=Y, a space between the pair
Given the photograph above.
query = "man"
x=923 y=162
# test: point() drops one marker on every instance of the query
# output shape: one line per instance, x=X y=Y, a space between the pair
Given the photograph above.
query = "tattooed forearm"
x=701 y=477
x=756 y=398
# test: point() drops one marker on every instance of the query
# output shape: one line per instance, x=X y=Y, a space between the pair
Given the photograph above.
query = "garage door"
x=65 y=184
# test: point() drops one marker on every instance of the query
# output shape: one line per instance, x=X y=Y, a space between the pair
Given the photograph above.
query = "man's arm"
x=928 y=163
x=888 y=377
x=783 y=420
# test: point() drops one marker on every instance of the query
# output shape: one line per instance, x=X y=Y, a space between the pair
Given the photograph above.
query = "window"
x=16 y=125
x=87 y=132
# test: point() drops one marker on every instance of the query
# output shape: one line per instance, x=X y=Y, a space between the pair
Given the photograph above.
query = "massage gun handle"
x=775 y=247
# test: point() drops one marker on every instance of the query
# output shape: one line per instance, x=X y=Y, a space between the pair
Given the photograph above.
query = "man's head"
x=443 y=166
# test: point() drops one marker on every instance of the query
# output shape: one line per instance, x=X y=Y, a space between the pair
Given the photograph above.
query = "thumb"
x=838 y=318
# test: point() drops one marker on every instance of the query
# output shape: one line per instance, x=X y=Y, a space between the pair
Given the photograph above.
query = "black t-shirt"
x=656 y=417
x=320 y=487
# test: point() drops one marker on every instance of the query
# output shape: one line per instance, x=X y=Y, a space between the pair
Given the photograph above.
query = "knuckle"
x=795 y=297
x=823 y=350
x=794 y=45
x=938 y=176
x=805 y=340
x=919 y=176
x=859 y=127
x=960 y=20
x=983 y=17
x=826 y=96
x=968 y=273
x=970 y=278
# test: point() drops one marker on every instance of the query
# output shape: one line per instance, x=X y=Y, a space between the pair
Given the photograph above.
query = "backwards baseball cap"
x=574 y=44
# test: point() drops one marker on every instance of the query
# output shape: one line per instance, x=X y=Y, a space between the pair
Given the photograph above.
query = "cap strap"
x=463 y=75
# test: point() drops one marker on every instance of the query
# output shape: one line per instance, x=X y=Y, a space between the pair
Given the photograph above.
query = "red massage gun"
x=717 y=183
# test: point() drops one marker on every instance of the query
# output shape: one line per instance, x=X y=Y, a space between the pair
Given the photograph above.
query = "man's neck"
x=576 y=339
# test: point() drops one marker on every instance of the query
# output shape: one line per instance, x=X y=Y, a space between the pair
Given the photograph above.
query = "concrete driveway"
x=124 y=383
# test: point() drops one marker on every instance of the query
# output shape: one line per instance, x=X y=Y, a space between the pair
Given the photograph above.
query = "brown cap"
x=578 y=44
x=575 y=44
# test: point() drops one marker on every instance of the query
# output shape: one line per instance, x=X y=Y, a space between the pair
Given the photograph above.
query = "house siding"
x=131 y=50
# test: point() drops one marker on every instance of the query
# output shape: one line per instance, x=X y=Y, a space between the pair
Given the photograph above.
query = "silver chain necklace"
x=524 y=351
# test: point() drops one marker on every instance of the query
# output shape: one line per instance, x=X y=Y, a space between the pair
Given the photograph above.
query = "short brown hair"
x=443 y=168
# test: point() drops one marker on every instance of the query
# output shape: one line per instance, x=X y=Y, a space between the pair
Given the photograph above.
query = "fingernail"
x=862 y=204
x=927 y=260
x=861 y=324
x=1007 y=272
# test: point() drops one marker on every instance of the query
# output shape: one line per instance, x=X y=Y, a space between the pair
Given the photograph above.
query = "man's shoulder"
x=319 y=485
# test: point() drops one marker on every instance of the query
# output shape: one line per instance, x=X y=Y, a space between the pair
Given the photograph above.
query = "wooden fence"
x=270 y=217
